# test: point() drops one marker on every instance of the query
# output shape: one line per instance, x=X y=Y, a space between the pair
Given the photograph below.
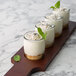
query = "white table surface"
x=19 y=16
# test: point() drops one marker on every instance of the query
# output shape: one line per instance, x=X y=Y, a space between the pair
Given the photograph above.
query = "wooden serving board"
x=26 y=67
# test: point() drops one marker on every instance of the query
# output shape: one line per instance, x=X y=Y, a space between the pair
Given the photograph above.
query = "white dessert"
x=64 y=12
x=34 y=45
x=56 y=20
x=50 y=33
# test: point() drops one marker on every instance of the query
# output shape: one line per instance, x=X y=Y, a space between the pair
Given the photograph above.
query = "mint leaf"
x=44 y=36
x=17 y=58
x=57 y=5
x=52 y=7
x=41 y=33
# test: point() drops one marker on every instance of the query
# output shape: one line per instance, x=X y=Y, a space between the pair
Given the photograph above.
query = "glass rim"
x=60 y=17
x=51 y=26
x=68 y=9
x=31 y=40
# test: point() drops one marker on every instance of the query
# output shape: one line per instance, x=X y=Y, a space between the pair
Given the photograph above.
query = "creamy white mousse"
x=50 y=33
x=65 y=13
x=34 y=45
x=56 y=20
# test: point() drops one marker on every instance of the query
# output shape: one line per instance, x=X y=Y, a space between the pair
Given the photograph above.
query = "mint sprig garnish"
x=57 y=5
x=17 y=58
x=42 y=33
x=52 y=7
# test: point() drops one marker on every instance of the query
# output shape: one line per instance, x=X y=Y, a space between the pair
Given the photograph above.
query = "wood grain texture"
x=26 y=67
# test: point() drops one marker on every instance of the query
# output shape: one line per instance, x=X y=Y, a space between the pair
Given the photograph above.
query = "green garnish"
x=42 y=33
x=52 y=7
x=17 y=58
x=57 y=5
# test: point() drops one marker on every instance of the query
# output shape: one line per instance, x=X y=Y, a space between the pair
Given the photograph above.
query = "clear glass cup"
x=34 y=49
x=65 y=14
x=57 y=20
x=50 y=33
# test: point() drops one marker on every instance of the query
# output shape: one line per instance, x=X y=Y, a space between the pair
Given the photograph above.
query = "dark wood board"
x=26 y=67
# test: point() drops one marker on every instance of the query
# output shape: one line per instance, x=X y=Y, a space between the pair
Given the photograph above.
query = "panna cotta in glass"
x=65 y=13
x=34 y=45
x=49 y=29
x=56 y=20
